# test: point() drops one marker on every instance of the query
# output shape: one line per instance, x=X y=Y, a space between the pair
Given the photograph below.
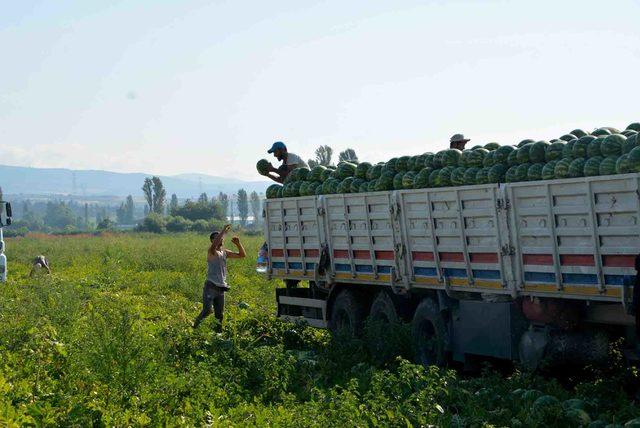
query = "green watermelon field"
x=106 y=340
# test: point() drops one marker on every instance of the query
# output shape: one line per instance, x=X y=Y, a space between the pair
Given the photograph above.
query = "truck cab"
x=5 y=220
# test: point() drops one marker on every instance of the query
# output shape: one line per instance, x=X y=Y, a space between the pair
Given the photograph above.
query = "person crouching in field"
x=216 y=283
x=39 y=263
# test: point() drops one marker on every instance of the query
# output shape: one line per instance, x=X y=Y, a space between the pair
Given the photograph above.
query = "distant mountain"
x=59 y=181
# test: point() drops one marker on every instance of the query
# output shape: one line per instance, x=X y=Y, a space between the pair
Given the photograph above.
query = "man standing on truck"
x=216 y=283
x=290 y=161
x=458 y=142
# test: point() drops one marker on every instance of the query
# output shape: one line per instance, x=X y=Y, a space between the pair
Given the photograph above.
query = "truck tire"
x=381 y=329
x=347 y=314
x=429 y=334
x=383 y=309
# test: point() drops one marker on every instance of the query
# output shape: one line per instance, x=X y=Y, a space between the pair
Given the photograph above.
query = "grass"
x=107 y=341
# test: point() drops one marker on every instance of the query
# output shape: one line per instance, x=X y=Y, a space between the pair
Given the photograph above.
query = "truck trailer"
x=528 y=271
x=5 y=220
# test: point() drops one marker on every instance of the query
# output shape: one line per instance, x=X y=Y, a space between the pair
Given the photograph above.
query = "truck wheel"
x=381 y=329
x=429 y=334
x=347 y=314
x=383 y=309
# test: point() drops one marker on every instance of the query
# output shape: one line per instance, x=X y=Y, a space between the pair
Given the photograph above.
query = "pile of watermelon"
x=604 y=151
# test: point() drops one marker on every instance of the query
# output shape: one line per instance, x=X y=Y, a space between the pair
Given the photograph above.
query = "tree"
x=203 y=198
x=178 y=224
x=146 y=210
x=86 y=216
x=1 y=194
x=349 y=155
x=120 y=214
x=129 y=210
x=58 y=215
x=323 y=156
x=231 y=213
x=147 y=189
x=223 y=198
x=243 y=206
x=255 y=207
x=105 y=224
x=173 y=205
x=312 y=163
x=159 y=195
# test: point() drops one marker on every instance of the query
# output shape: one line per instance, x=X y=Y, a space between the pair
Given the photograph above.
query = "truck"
x=5 y=220
x=527 y=271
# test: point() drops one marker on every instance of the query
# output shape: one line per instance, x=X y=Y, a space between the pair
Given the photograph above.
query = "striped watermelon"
x=434 y=178
x=593 y=149
x=364 y=187
x=511 y=175
x=362 y=169
x=466 y=154
x=280 y=192
x=319 y=190
x=438 y=159
x=579 y=133
x=451 y=157
x=418 y=163
x=345 y=169
x=562 y=168
x=576 y=169
x=548 y=172
x=326 y=174
x=522 y=171
x=635 y=126
x=554 y=151
x=489 y=160
x=421 y=180
x=390 y=166
x=534 y=173
x=612 y=145
x=397 y=180
x=631 y=143
x=402 y=164
x=272 y=191
x=538 y=151
x=355 y=184
x=371 y=186
x=629 y=132
x=263 y=166
x=592 y=166
x=375 y=171
x=470 y=175
x=601 y=132
x=525 y=142
x=512 y=160
x=429 y=160
x=634 y=160
x=608 y=165
x=523 y=153
x=445 y=176
x=457 y=176
x=567 y=151
x=482 y=177
x=496 y=173
x=580 y=147
x=502 y=153
x=476 y=158
x=411 y=163
x=385 y=182
x=622 y=165
x=407 y=180
x=492 y=146
x=568 y=137
x=345 y=185
x=304 y=188
x=316 y=173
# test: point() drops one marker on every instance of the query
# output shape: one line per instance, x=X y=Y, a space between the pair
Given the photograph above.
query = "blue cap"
x=277 y=145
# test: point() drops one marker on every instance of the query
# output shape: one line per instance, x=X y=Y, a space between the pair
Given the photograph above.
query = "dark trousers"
x=212 y=301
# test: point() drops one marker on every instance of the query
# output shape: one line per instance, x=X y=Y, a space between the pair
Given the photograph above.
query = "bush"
x=106 y=224
x=178 y=224
x=153 y=222
x=203 y=226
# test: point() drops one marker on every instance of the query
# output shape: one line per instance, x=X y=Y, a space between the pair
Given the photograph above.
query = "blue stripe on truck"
x=486 y=274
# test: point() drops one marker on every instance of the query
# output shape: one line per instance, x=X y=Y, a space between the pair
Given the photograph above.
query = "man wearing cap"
x=457 y=142
x=289 y=161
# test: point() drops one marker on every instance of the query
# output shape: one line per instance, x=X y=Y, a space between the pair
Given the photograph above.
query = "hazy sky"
x=206 y=86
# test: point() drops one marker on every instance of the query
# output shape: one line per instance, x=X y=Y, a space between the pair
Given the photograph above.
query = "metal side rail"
x=297 y=304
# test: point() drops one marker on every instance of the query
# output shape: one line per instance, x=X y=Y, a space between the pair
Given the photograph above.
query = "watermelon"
x=523 y=153
x=534 y=173
x=496 y=173
x=364 y=187
x=325 y=175
x=492 y=146
x=304 y=188
x=612 y=145
x=385 y=182
x=390 y=166
x=579 y=133
x=554 y=151
x=601 y=132
x=512 y=160
x=445 y=176
x=330 y=186
x=434 y=178
x=629 y=132
x=511 y=175
x=592 y=166
x=477 y=146
x=580 y=147
x=411 y=163
x=279 y=192
x=263 y=166
x=611 y=129
x=608 y=165
x=345 y=169
x=316 y=173
x=402 y=164
x=635 y=126
x=525 y=142
x=319 y=190
x=502 y=153
x=476 y=158
x=335 y=175
x=522 y=172
x=355 y=185
x=457 y=176
x=429 y=160
x=438 y=159
x=313 y=187
x=407 y=180
x=419 y=163
x=576 y=169
x=470 y=175
x=482 y=177
x=301 y=174
x=294 y=189
x=634 y=159
x=466 y=155
x=568 y=137
x=451 y=157
x=622 y=165
x=374 y=172
x=562 y=168
x=397 y=180
x=371 y=186
x=272 y=191
x=421 y=180
x=593 y=149
x=538 y=151
x=489 y=160
x=567 y=151
x=548 y=172
x=362 y=169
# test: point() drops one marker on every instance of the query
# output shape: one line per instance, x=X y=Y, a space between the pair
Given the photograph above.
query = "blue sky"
x=169 y=87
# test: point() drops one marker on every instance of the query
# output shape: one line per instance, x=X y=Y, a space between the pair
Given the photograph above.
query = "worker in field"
x=290 y=161
x=40 y=263
x=216 y=283
x=458 y=142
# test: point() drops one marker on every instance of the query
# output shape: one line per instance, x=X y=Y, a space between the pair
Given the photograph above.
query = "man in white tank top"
x=216 y=283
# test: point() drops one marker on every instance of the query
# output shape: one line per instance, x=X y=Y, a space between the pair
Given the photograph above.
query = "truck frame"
x=526 y=271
